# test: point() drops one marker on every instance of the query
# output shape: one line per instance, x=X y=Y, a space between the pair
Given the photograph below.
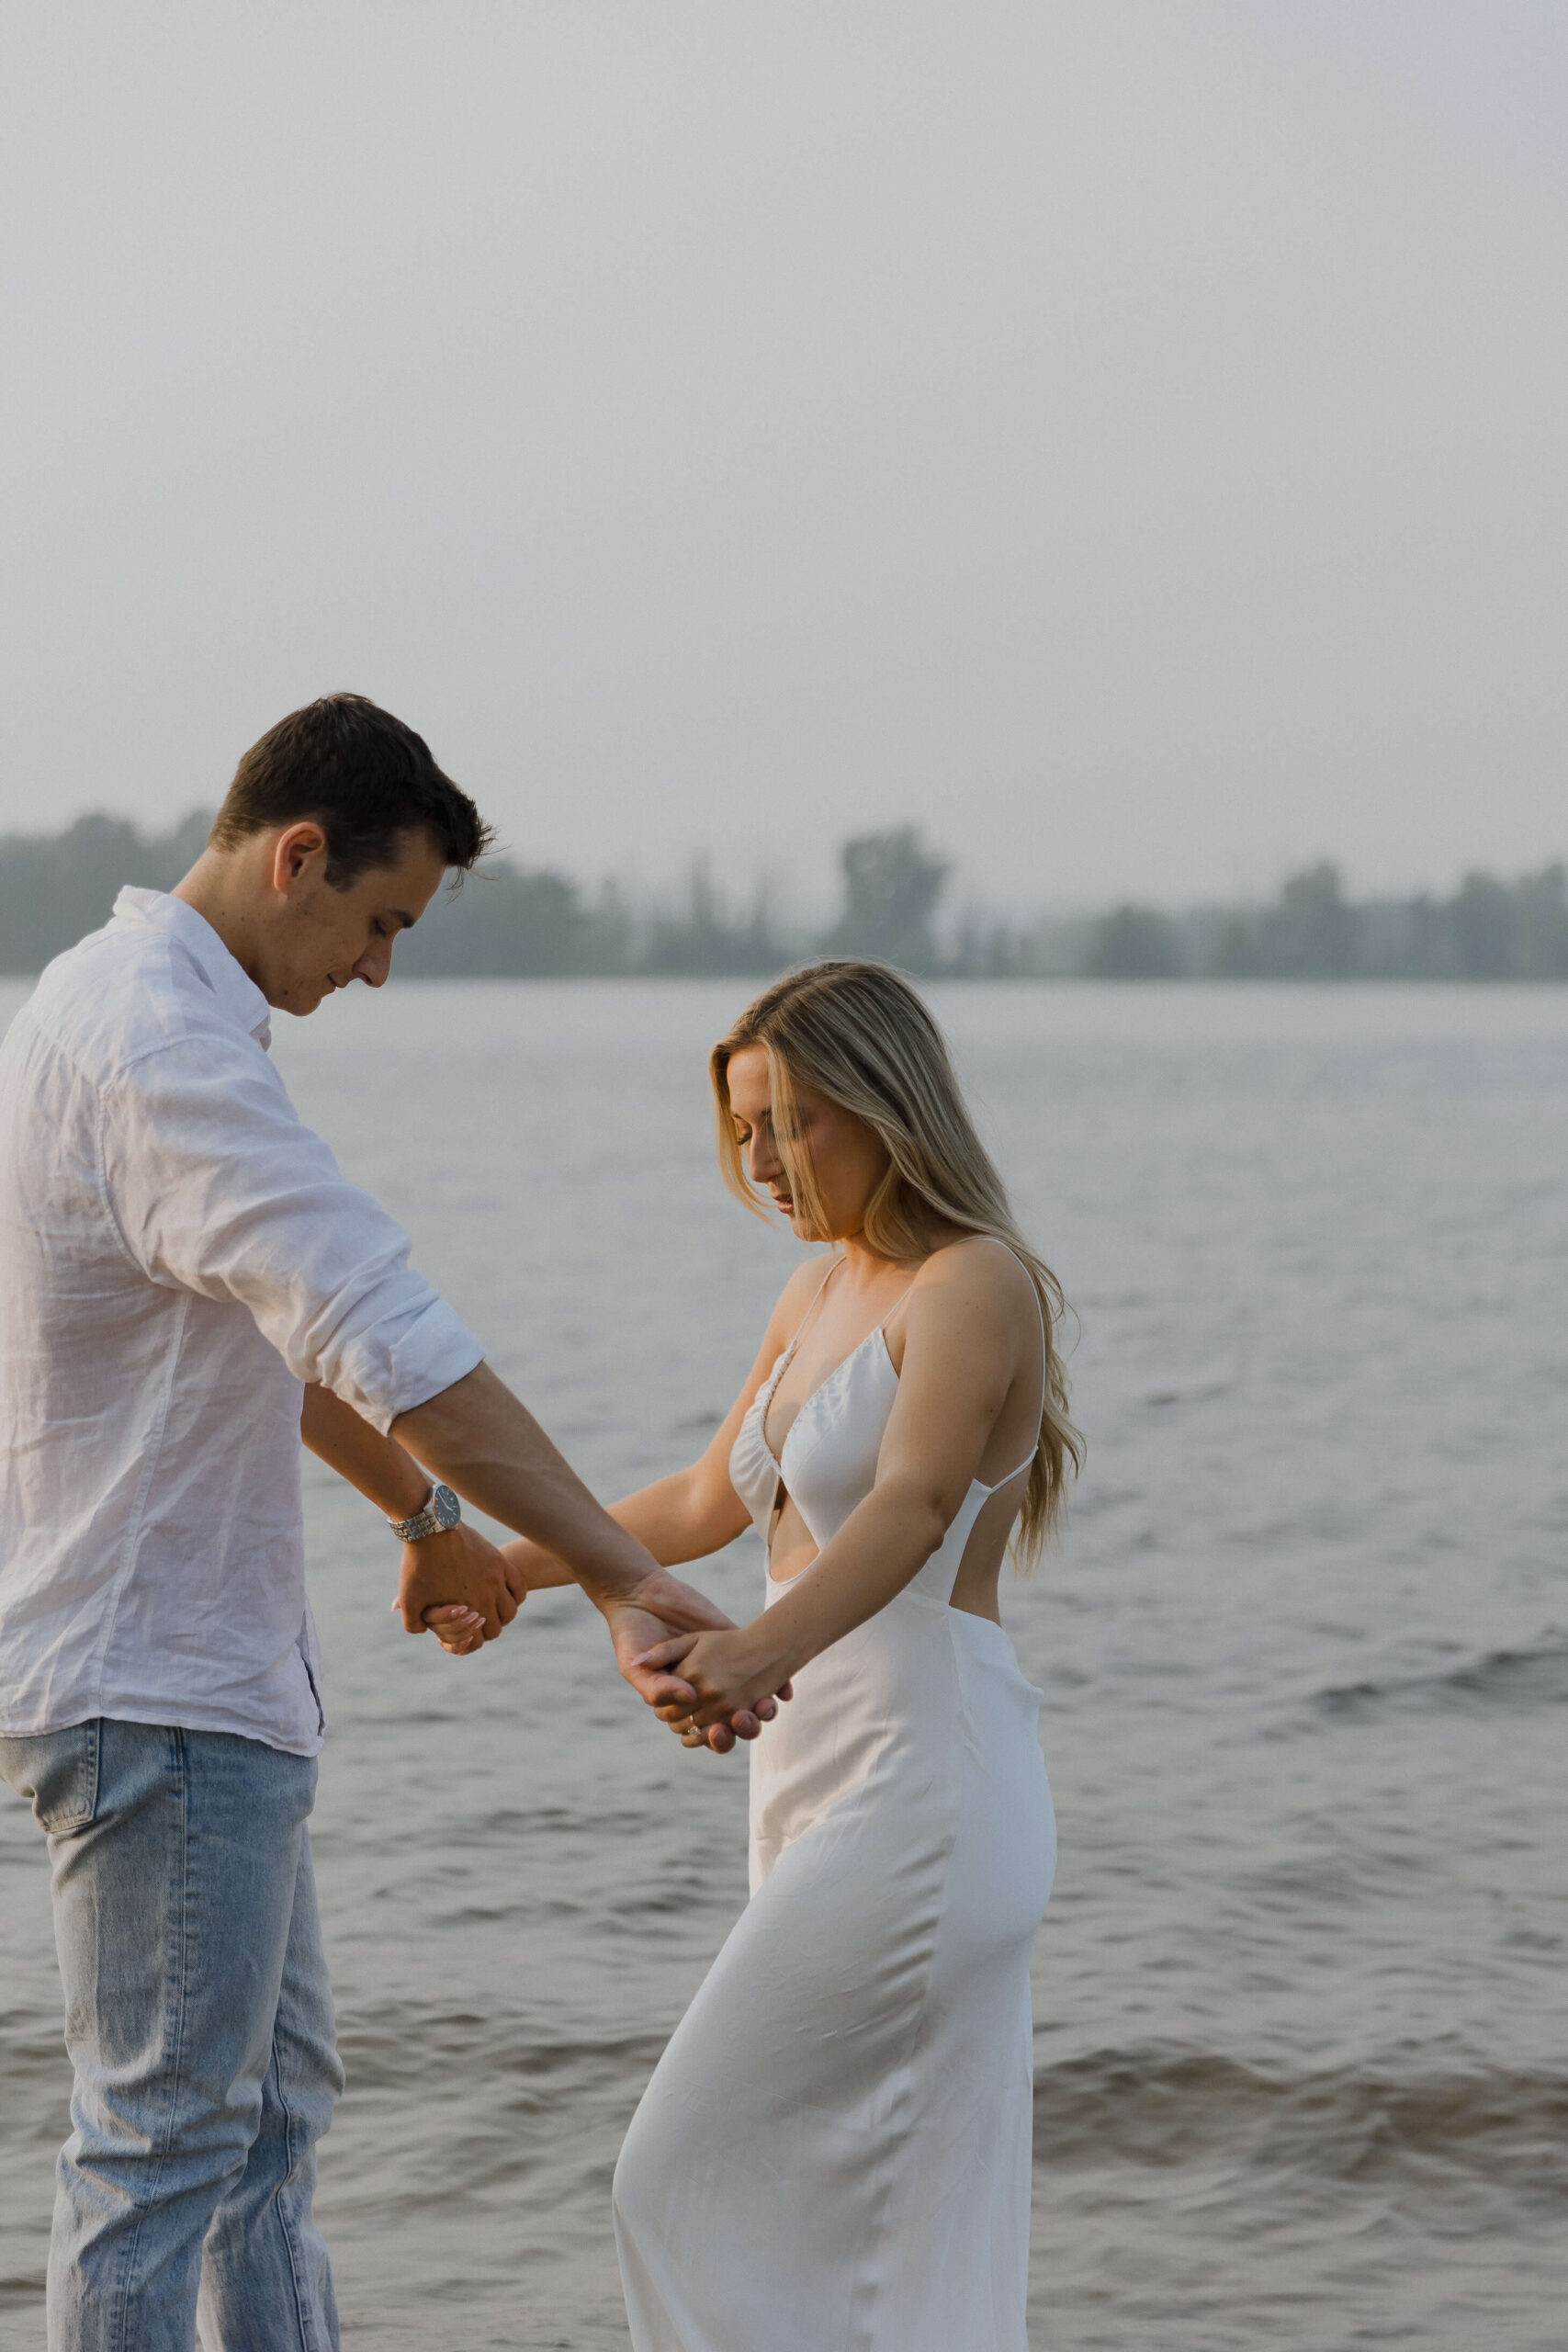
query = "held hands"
x=459 y=1567
x=660 y=1612
x=526 y=1567
x=703 y=1682
x=657 y=1623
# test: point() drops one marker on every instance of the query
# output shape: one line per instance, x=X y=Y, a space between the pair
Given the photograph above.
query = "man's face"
x=316 y=938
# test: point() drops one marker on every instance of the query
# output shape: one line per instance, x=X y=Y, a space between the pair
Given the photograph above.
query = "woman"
x=834 y=2150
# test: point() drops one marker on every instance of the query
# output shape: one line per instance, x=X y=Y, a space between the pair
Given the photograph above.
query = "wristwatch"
x=440 y=1509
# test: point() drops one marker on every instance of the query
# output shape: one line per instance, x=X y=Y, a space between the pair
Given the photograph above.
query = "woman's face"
x=847 y=1159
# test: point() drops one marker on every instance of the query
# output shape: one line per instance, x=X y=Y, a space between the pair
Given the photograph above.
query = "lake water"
x=1302 y=1995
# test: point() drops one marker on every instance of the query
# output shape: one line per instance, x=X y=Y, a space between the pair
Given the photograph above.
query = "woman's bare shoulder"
x=976 y=1269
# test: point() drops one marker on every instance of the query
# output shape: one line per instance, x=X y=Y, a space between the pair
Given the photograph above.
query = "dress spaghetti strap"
x=895 y=1305
x=834 y=1263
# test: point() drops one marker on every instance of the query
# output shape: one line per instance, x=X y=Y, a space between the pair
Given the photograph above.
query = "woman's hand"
x=459 y=1631
x=661 y=1608
x=702 y=1683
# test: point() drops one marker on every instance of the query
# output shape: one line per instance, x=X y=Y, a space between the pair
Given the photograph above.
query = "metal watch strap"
x=439 y=1509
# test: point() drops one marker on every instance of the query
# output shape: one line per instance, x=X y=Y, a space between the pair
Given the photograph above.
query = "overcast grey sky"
x=1126 y=439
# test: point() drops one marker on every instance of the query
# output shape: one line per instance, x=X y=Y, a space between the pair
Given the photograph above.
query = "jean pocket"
x=58 y=1772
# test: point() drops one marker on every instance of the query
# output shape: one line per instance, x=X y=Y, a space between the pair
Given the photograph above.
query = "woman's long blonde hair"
x=858 y=1033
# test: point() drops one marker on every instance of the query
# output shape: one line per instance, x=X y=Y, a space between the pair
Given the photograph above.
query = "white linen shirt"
x=178 y=1255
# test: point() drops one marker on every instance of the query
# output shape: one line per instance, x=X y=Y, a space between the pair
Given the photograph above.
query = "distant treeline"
x=1488 y=930
x=55 y=887
x=508 y=920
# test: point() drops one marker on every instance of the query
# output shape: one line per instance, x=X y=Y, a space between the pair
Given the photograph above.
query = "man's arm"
x=458 y=1564
x=464 y=1562
x=384 y=1473
x=482 y=1442
x=485 y=1443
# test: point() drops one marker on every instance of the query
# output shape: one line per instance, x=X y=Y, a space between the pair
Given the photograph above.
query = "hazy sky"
x=1127 y=439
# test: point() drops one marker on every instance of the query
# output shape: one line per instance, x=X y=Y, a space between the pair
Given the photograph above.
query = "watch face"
x=444 y=1504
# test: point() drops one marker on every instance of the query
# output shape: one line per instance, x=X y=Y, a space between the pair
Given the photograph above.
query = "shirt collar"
x=235 y=991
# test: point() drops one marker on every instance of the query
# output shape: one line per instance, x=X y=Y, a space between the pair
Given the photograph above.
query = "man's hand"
x=459 y=1564
x=663 y=1619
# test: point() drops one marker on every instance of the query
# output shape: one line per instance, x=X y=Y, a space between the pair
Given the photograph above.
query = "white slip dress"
x=833 y=2154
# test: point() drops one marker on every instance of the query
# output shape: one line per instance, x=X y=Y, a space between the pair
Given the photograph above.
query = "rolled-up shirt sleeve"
x=215 y=1185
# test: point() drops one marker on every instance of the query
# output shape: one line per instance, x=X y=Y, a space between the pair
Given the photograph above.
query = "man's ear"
x=298 y=847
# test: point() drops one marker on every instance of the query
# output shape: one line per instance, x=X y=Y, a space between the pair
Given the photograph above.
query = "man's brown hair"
x=366 y=779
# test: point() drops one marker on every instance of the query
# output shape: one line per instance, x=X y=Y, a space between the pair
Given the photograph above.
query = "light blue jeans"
x=199 y=2021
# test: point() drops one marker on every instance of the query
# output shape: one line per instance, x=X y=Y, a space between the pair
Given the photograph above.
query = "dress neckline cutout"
x=766 y=1398
x=766 y=1395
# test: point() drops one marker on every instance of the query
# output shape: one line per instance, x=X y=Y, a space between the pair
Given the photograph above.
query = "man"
x=188 y=1282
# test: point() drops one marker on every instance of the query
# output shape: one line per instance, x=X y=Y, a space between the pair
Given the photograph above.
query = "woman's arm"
x=967 y=1329
x=684 y=1517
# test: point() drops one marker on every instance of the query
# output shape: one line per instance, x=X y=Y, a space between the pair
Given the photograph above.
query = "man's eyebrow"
x=407 y=922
